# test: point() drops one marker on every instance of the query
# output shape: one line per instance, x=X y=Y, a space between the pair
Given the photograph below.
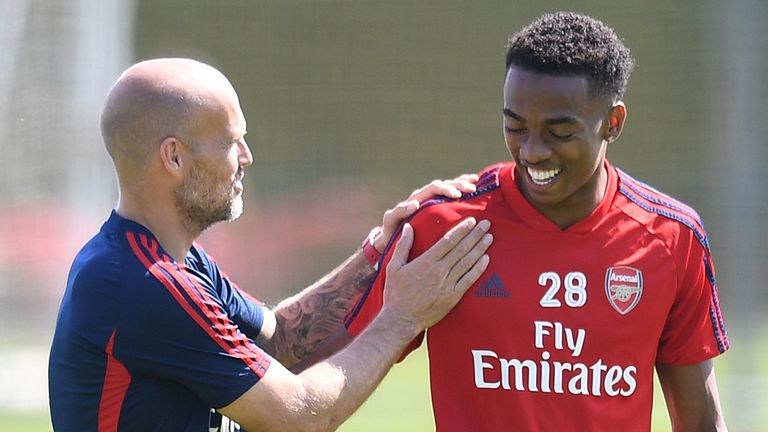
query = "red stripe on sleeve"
x=116 y=382
x=227 y=331
x=245 y=349
x=245 y=294
x=156 y=267
x=240 y=341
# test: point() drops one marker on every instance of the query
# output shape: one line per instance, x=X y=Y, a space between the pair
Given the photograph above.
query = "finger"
x=472 y=178
x=464 y=186
x=402 y=249
x=453 y=188
x=392 y=220
x=465 y=182
x=395 y=216
x=470 y=258
x=407 y=208
x=474 y=273
x=468 y=243
x=435 y=188
x=449 y=240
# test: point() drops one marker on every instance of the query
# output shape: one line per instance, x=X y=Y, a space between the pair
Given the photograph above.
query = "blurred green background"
x=350 y=106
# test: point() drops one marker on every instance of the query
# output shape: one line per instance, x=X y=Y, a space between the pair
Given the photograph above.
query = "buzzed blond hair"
x=153 y=100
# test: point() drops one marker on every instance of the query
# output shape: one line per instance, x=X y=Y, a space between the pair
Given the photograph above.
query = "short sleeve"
x=186 y=331
x=243 y=309
x=695 y=330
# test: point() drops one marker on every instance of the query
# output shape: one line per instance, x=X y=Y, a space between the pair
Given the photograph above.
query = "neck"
x=163 y=220
x=580 y=204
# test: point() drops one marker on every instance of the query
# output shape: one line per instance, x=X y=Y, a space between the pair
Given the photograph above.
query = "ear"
x=171 y=155
x=616 y=119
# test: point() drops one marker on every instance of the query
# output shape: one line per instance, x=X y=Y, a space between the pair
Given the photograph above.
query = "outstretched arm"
x=300 y=323
x=418 y=294
x=691 y=395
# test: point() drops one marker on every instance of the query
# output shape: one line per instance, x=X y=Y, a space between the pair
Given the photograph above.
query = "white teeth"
x=542 y=177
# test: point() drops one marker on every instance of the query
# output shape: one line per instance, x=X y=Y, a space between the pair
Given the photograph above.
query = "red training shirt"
x=564 y=328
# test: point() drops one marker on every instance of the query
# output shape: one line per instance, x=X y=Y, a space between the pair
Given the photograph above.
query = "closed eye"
x=560 y=136
x=513 y=130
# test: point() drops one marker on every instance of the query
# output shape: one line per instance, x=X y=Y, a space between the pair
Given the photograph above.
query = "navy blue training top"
x=145 y=343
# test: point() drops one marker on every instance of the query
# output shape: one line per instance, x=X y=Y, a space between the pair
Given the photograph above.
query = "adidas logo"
x=492 y=287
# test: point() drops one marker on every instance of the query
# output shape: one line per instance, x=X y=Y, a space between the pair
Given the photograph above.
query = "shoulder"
x=102 y=263
x=666 y=217
x=107 y=284
x=437 y=216
x=199 y=259
x=450 y=209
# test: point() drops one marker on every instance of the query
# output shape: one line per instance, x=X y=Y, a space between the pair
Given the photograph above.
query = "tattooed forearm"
x=308 y=318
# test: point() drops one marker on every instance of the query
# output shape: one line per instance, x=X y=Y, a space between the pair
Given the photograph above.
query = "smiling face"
x=557 y=133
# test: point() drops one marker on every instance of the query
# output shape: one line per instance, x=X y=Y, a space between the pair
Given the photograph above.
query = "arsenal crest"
x=624 y=287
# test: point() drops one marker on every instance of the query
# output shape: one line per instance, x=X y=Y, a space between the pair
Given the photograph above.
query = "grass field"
x=24 y=422
x=402 y=402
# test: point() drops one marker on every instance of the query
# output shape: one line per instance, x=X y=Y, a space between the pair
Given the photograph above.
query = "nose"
x=244 y=154
x=534 y=150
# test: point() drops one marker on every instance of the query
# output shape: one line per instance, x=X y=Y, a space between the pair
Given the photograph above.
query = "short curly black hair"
x=568 y=43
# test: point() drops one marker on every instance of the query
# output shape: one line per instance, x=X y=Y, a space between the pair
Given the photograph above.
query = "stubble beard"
x=203 y=202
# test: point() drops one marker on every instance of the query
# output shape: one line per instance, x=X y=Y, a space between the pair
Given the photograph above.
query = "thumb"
x=402 y=249
x=392 y=220
x=394 y=217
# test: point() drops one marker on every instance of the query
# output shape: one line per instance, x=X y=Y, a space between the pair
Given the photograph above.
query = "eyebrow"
x=507 y=112
x=557 y=120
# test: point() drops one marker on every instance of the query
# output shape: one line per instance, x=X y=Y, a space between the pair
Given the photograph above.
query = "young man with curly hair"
x=596 y=279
